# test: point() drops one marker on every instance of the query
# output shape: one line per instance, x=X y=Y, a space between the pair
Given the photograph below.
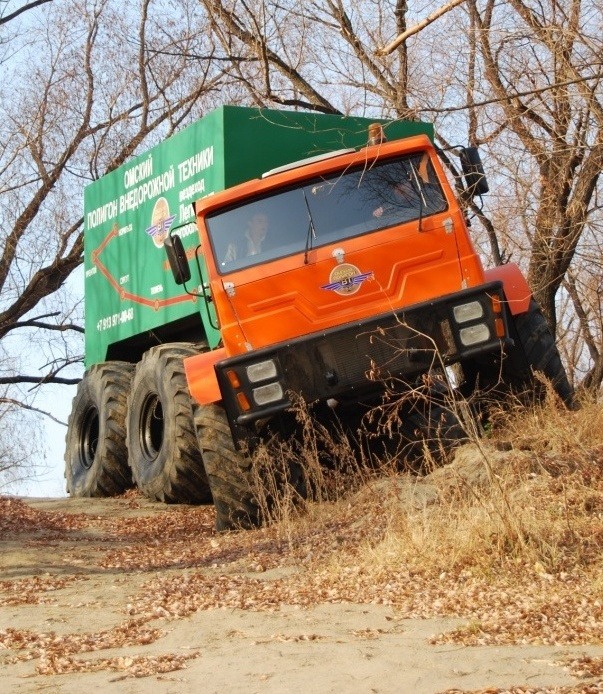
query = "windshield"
x=325 y=211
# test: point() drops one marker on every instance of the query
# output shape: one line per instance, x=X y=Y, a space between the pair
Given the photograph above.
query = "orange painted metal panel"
x=201 y=377
x=392 y=268
x=517 y=290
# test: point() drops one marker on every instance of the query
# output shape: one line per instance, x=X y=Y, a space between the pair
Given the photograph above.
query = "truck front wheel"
x=229 y=472
x=161 y=440
x=95 y=451
x=535 y=351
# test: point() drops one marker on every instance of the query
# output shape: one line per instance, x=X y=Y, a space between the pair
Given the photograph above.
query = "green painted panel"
x=273 y=138
x=129 y=289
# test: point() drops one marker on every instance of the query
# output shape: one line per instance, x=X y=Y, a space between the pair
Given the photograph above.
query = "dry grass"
x=509 y=534
x=317 y=463
x=528 y=494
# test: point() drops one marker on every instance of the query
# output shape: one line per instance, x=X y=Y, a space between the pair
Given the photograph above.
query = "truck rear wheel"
x=96 y=458
x=162 y=445
x=229 y=472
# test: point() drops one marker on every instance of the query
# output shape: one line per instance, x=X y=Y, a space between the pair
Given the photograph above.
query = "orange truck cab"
x=333 y=275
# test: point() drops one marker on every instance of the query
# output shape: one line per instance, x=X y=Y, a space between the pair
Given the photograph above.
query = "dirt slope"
x=135 y=596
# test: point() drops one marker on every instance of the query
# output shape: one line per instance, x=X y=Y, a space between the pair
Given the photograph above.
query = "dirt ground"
x=132 y=596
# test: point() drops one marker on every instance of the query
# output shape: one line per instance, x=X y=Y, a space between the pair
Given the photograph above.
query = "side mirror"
x=177 y=258
x=475 y=178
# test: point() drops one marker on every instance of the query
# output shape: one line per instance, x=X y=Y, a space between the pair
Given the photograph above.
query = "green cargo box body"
x=129 y=289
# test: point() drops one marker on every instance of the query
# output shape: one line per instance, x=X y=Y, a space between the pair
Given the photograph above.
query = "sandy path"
x=326 y=648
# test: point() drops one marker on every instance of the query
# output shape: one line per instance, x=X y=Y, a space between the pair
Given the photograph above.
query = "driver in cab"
x=250 y=243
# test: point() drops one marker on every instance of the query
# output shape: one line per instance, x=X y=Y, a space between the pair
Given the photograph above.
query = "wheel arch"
x=517 y=290
x=201 y=376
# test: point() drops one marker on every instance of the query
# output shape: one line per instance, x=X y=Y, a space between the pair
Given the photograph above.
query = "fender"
x=201 y=375
x=517 y=290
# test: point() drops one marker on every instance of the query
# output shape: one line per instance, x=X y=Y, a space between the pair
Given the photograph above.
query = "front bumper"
x=357 y=360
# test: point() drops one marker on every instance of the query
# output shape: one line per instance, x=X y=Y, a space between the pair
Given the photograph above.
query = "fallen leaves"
x=34 y=590
x=52 y=646
x=135 y=666
x=585 y=666
x=345 y=553
x=17 y=518
x=291 y=638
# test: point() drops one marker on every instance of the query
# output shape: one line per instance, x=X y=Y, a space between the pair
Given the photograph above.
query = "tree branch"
x=21 y=10
x=37 y=380
x=31 y=408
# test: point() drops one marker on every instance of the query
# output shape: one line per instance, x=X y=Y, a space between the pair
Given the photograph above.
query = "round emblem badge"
x=161 y=221
x=341 y=279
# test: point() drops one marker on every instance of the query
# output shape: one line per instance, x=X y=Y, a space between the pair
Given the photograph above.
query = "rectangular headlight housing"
x=271 y=392
x=468 y=312
x=261 y=371
x=474 y=334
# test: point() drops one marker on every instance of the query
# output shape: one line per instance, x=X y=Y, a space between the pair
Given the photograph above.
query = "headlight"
x=268 y=393
x=466 y=312
x=261 y=371
x=474 y=334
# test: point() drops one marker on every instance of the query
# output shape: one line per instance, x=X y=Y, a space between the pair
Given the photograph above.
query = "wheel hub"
x=151 y=427
x=88 y=440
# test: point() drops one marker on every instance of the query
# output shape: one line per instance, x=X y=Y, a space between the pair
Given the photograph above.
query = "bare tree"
x=75 y=103
x=541 y=64
x=318 y=55
x=15 y=465
x=265 y=43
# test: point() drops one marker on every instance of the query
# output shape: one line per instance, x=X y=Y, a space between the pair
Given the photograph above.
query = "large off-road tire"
x=250 y=488
x=432 y=431
x=535 y=351
x=495 y=377
x=421 y=428
x=229 y=471
x=95 y=452
x=161 y=439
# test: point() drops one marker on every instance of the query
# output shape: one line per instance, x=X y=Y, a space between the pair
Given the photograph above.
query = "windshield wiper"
x=311 y=233
x=419 y=187
x=309 y=236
